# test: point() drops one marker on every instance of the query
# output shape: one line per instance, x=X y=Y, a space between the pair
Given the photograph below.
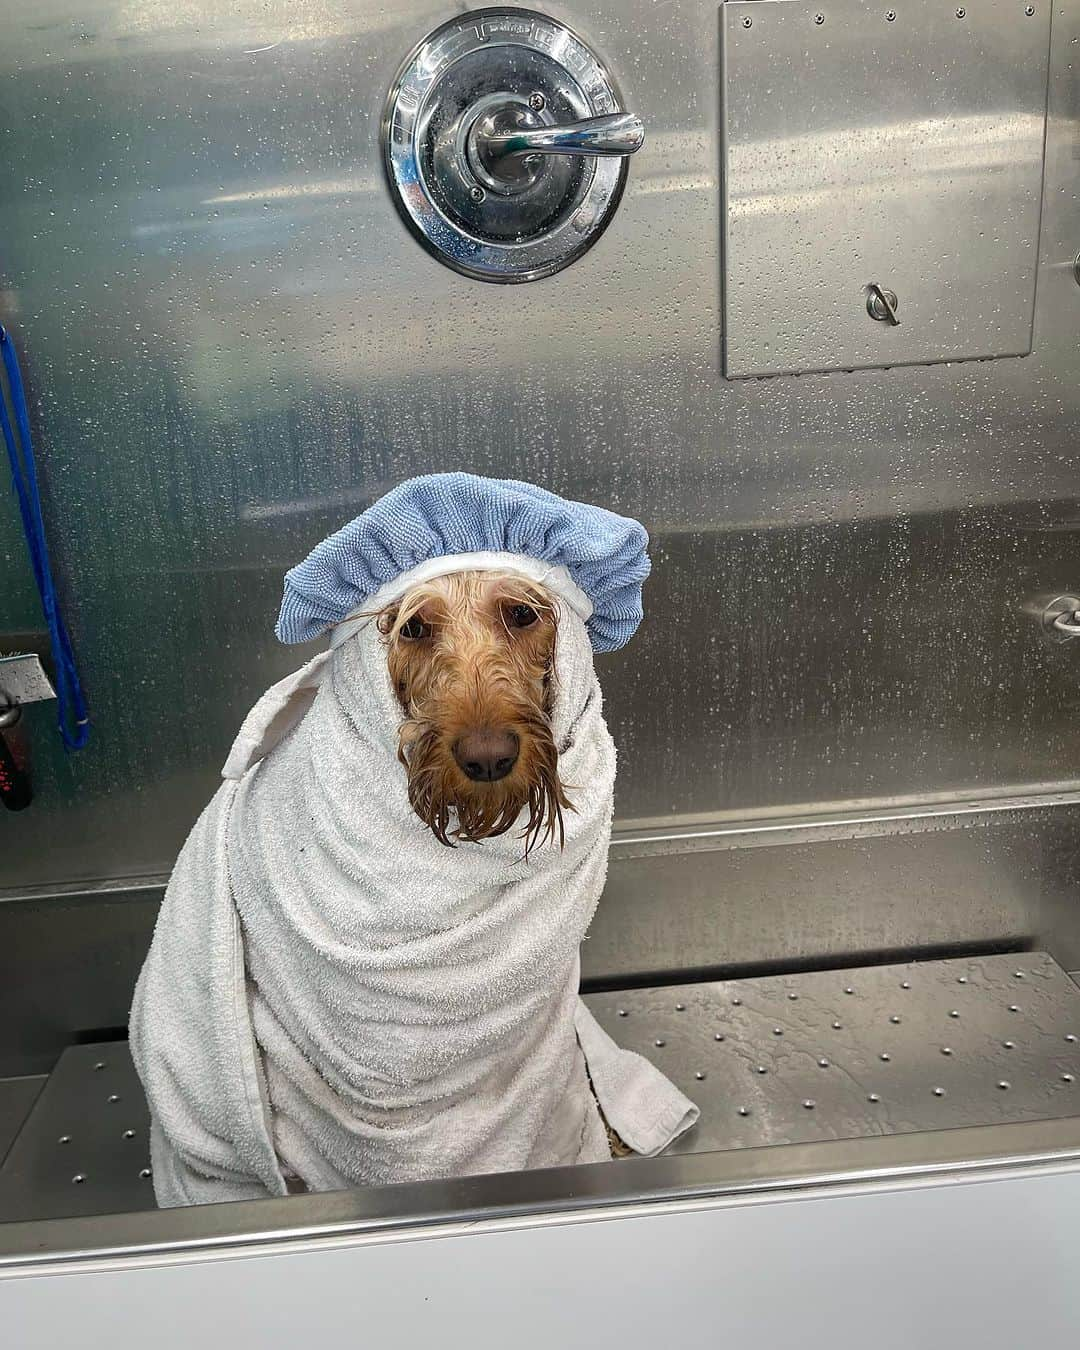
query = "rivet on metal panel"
x=64 y=1139
x=894 y=1020
x=838 y=1026
x=954 y=1012
x=146 y=1174
x=623 y=1012
x=129 y=1134
x=1071 y=1038
x=762 y=1069
x=748 y=22
x=78 y=1179
x=961 y=11
x=819 y=18
x=1013 y=1007
x=1029 y=10
x=660 y=1042
x=1009 y=1045
x=699 y=1075
x=1067 y=1078
x=823 y=1063
x=905 y=984
x=946 y=1049
x=744 y=1110
x=1004 y=1084
x=680 y=1007
x=884 y=1056
x=890 y=15
x=719 y=1036
x=873 y=1097
x=809 y=1104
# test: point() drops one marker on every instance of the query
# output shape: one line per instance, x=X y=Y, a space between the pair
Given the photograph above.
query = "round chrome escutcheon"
x=505 y=144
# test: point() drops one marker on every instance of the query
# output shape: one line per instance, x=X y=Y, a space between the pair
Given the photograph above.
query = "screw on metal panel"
x=719 y=1036
x=939 y=1092
x=129 y=1134
x=823 y=1063
x=905 y=984
x=748 y=22
x=890 y=15
x=659 y=1042
x=1003 y=1084
x=1029 y=10
x=477 y=193
x=961 y=11
x=699 y=1075
x=838 y=1026
x=819 y=18
x=680 y=1007
x=1009 y=1045
x=884 y=1056
x=744 y=1110
x=1014 y=1007
x=762 y=1069
x=946 y=1049
x=537 y=102
x=809 y=1104
x=955 y=1012
x=873 y=1097
x=623 y=1012
x=894 y=1020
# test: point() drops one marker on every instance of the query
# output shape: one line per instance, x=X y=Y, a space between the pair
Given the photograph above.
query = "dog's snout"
x=485 y=755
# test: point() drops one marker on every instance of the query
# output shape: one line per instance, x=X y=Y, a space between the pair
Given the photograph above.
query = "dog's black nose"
x=486 y=756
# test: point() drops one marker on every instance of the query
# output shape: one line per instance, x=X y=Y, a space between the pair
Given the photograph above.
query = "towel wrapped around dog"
x=334 y=996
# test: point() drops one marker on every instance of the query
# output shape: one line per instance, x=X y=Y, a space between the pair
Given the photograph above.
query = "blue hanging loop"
x=71 y=713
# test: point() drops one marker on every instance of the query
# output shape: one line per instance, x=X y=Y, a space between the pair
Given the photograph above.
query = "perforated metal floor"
x=787 y=1059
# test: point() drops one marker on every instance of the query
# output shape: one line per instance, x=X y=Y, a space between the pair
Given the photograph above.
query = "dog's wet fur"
x=472 y=659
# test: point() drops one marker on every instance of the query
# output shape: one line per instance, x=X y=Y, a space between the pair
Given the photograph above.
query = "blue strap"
x=71 y=711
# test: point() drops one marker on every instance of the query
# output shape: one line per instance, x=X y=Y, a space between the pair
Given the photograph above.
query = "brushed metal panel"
x=231 y=345
x=902 y=147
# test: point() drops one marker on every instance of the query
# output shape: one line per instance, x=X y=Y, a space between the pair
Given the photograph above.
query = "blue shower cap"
x=448 y=513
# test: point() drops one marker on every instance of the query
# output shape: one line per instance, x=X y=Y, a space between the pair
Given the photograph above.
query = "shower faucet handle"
x=493 y=142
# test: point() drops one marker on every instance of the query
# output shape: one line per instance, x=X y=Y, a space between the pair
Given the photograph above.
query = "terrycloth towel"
x=333 y=995
x=453 y=513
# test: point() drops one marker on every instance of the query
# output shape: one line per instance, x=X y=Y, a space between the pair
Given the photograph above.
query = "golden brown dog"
x=471 y=658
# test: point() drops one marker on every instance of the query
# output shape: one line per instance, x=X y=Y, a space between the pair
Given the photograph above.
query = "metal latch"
x=1061 y=618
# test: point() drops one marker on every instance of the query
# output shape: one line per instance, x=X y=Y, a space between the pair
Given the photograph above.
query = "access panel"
x=882 y=181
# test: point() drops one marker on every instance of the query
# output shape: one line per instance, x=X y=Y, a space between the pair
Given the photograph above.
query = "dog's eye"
x=413 y=629
x=521 y=616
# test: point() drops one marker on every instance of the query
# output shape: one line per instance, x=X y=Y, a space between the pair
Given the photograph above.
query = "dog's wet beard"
x=485 y=809
x=460 y=658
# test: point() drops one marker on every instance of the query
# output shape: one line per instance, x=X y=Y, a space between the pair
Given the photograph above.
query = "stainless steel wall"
x=233 y=345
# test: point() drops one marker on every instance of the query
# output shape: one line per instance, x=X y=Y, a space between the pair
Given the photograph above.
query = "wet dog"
x=471 y=657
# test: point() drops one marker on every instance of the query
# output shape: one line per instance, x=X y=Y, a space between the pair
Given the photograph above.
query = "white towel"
x=332 y=995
